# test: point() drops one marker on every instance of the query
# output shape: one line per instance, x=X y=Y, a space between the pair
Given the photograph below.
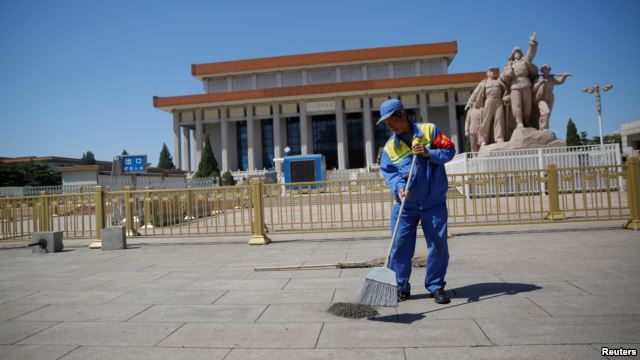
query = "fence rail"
x=593 y=193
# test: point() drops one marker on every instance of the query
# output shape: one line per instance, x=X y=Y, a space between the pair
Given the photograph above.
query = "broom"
x=380 y=286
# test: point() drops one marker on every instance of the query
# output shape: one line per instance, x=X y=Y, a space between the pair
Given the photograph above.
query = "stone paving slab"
x=14 y=331
x=290 y=313
x=562 y=330
x=81 y=312
x=144 y=353
x=531 y=352
x=201 y=313
x=378 y=334
x=609 y=287
x=590 y=305
x=103 y=334
x=11 y=311
x=245 y=336
x=316 y=354
x=34 y=352
x=69 y=297
x=276 y=296
x=254 y=284
x=169 y=297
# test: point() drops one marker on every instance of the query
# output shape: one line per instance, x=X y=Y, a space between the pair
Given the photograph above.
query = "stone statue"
x=472 y=121
x=518 y=74
x=490 y=100
x=543 y=90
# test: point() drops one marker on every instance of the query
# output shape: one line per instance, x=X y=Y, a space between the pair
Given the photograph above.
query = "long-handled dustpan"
x=380 y=287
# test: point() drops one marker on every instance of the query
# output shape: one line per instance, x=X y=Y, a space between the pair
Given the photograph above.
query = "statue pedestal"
x=526 y=138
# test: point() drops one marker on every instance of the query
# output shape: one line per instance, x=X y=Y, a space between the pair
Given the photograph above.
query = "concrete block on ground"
x=46 y=242
x=113 y=238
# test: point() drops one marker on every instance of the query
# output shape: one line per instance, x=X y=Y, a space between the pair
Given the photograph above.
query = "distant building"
x=52 y=161
x=323 y=103
x=630 y=132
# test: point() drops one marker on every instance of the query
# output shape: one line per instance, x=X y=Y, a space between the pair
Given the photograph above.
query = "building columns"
x=177 y=145
x=199 y=135
x=368 y=131
x=251 y=139
x=224 y=139
x=277 y=138
x=186 y=135
x=341 y=136
x=422 y=100
x=305 y=127
x=453 y=120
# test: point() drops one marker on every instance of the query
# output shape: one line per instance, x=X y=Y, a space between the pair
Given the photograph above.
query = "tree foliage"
x=88 y=159
x=208 y=166
x=165 y=161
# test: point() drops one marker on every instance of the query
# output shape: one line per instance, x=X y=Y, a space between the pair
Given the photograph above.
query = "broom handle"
x=395 y=229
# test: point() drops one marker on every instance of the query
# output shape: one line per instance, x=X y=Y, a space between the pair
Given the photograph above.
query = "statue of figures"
x=472 y=121
x=543 y=89
x=518 y=74
x=491 y=91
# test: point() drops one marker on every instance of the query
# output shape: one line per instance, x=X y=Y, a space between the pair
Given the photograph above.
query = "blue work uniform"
x=426 y=203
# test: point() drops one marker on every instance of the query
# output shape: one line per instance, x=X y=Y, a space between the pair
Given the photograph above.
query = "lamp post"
x=596 y=89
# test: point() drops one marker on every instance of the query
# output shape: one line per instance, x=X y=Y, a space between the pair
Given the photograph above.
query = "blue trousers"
x=434 y=226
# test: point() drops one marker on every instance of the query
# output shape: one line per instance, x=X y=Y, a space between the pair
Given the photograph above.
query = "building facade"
x=322 y=103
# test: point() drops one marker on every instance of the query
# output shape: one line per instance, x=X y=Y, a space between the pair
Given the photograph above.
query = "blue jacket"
x=429 y=185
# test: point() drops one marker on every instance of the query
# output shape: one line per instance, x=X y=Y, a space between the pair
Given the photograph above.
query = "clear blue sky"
x=80 y=75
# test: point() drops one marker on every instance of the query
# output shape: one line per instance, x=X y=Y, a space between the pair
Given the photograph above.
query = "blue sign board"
x=132 y=164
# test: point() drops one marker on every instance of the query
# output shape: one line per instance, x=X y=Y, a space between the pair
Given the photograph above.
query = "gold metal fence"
x=492 y=198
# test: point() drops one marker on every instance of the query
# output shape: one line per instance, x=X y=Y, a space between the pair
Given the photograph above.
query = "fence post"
x=258 y=236
x=100 y=219
x=128 y=211
x=554 y=198
x=190 y=203
x=148 y=220
x=633 y=192
x=45 y=223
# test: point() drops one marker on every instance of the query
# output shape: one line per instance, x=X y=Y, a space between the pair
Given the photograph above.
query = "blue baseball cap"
x=388 y=108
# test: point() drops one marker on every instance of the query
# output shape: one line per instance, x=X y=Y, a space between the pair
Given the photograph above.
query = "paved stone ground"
x=526 y=292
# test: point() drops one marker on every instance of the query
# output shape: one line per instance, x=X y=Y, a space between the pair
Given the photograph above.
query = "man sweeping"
x=425 y=200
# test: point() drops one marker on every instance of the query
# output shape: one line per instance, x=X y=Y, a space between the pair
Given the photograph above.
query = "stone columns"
x=277 y=138
x=368 y=131
x=305 y=127
x=453 y=120
x=422 y=100
x=199 y=137
x=341 y=136
x=186 y=135
x=251 y=141
x=177 y=145
x=224 y=139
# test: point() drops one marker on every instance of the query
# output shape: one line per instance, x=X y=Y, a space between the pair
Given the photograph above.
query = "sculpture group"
x=520 y=97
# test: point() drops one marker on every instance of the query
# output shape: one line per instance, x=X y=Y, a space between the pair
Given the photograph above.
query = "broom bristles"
x=375 y=293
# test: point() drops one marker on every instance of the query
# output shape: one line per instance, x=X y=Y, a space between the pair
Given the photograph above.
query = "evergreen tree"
x=584 y=140
x=572 y=134
x=88 y=159
x=124 y=152
x=166 y=161
x=208 y=166
x=227 y=179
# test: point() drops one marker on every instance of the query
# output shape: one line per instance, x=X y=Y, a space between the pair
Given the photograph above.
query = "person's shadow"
x=473 y=293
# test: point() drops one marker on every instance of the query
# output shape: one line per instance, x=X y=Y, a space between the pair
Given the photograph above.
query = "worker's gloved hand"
x=403 y=194
x=420 y=149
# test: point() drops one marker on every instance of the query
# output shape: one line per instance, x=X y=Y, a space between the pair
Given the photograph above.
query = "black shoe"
x=441 y=297
x=402 y=296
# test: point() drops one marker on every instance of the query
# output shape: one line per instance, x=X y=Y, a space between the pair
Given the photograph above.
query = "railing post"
x=100 y=219
x=554 y=198
x=633 y=192
x=190 y=203
x=45 y=223
x=259 y=236
x=128 y=211
x=148 y=221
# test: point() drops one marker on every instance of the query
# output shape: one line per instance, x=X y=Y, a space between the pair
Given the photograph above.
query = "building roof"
x=174 y=102
x=47 y=159
x=447 y=49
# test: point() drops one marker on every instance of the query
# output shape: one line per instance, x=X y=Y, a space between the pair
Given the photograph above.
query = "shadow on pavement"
x=473 y=293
